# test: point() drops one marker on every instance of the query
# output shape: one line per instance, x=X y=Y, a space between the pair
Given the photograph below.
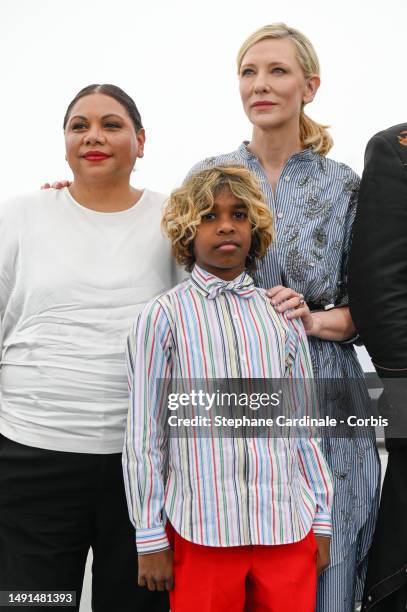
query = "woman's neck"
x=273 y=148
x=104 y=196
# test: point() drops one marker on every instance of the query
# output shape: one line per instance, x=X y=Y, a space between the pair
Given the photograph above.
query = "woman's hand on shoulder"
x=56 y=185
x=286 y=299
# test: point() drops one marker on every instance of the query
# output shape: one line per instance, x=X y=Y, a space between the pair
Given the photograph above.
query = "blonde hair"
x=312 y=134
x=188 y=204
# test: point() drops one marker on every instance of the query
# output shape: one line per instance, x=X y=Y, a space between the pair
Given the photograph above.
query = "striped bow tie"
x=244 y=289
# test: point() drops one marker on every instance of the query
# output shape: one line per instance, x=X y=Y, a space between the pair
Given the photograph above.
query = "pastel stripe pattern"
x=218 y=491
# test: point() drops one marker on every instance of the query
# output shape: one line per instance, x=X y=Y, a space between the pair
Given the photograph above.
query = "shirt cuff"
x=151 y=540
x=322 y=524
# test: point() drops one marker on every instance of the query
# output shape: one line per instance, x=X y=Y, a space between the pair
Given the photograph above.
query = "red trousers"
x=278 y=578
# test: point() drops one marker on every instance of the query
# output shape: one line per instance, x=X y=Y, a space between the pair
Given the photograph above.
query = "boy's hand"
x=323 y=555
x=155 y=571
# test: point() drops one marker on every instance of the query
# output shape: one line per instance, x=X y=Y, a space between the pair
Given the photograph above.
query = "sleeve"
x=352 y=186
x=145 y=454
x=318 y=476
x=201 y=165
x=312 y=463
x=8 y=265
x=206 y=163
x=378 y=261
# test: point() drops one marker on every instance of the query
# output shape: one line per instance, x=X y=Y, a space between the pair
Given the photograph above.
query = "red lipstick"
x=95 y=156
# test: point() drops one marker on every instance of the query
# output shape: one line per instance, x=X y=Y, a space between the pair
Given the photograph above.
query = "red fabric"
x=243 y=578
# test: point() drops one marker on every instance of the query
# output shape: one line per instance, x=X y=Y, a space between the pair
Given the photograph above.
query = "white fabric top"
x=72 y=281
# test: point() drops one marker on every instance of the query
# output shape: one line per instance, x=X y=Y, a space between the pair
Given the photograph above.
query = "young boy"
x=248 y=518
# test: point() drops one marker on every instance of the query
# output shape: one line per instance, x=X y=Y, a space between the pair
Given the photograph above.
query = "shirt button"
x=243 y=358
x=287 y=178
x=280 y=215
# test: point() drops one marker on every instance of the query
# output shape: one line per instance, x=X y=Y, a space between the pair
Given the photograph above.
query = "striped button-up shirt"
x=218 y=491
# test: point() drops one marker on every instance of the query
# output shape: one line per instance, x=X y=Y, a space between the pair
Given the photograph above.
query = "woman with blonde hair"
x=313 y=200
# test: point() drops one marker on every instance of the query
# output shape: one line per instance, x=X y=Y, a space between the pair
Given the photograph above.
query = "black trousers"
x=54 y=506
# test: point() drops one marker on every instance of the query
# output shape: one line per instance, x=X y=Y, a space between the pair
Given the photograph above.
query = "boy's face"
x=223 y=238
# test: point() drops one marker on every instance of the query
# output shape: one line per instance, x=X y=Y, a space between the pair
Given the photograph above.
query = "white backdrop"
x=177 y=59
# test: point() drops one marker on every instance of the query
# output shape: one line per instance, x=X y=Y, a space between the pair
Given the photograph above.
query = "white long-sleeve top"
x=72 y=281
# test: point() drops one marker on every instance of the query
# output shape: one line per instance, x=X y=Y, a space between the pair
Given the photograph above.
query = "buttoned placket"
x=236 y=325
x=285 y=177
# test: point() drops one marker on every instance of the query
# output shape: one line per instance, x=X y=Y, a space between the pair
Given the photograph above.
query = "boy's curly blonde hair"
x=196 y=197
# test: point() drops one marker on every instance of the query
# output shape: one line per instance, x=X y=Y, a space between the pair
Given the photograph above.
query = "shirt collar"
x=306 y=155
x=212 y=286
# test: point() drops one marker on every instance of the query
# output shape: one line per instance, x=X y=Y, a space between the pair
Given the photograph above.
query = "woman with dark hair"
x=313 y=200
x=76 y=266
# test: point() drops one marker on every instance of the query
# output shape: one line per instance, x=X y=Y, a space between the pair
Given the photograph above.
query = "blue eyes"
x=276 y=70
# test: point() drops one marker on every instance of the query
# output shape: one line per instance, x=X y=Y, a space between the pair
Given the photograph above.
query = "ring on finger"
x=301 y=301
